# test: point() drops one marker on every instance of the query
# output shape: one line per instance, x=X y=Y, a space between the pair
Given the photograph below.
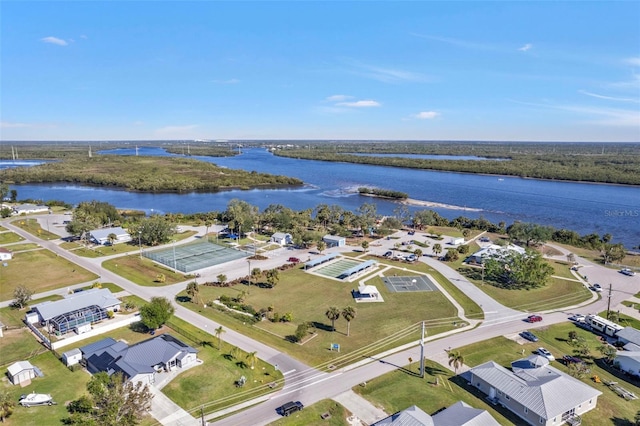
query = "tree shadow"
x=241 y=364
x=228 y=357
x=183 y=299
x=432 y=371
x=205 y=343
x=139 y=327
x=321 y=326
x=617 y=421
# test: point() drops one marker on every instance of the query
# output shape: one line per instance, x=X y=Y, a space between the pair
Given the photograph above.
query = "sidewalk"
x=360 y=407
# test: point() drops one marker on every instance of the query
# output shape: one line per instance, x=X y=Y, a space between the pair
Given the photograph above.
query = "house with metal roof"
x=334 y=241
x=76 y=310
x=628 y=335
x=28 y=209
x=534 y=391
x=628 y=361
x=101 y=236
x=458 y=414
x=282 y=238
x=496 y=252
x=140 y=362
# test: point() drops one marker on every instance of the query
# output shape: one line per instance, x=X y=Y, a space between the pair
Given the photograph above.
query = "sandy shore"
x=421 y=203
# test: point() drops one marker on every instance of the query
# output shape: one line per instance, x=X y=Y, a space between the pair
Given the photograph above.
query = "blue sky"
x=511 y=70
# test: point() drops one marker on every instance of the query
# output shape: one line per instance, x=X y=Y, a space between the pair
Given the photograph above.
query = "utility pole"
x=422 y=353
x=609 y=301
x=202 y=415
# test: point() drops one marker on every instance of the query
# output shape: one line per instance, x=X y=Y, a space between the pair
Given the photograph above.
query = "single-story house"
x=101 y=236
x=458 y=414
x=139 y=362
x=28 y=209
x=72 y=357
x=76 y=310
x=334 y=241
x=495 y=251
x=457 y=241
x=5 y=254
x=21 y=372
x=282 y=238
x=534 y=391
x=628 y=361
x=628 y=335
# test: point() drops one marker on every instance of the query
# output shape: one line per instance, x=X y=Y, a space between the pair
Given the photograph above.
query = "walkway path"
x=360 y=407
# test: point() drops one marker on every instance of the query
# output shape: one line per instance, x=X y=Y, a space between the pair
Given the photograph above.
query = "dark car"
x=569 y=359
x=534 y=318
x=529 y=336
x=289 y=407
x=388 y=254
x=294 y=260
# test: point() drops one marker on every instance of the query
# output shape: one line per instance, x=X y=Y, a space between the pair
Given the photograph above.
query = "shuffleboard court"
x=191 y=257
x=409 y=284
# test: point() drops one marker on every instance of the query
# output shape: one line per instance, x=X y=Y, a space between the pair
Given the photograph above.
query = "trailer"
x=602 y=325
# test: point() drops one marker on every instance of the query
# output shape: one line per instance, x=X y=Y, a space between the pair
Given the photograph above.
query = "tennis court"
x=191 y=257
x=409 y=284
x=336 y=268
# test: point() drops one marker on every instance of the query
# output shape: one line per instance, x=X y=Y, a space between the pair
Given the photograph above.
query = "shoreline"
x=422 y=203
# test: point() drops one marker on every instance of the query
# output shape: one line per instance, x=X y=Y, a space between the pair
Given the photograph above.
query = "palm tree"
x=219 y=332
x=348 y=314
x=255 y=274
x=252 y=357
x=234 y=352
x=418 y=252
x=609 y=352
x=222 y=279
x=194 y=292
x=6 y=405
x=333 y=314
x=112 y=238
x=273 y=277
x=437 y=249
x=456 y=360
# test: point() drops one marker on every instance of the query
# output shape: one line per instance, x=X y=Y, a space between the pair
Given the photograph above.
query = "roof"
x=532 y=361
x=19 y=366
x=630 y=334
x=412 y=416
x=4 y=250
x=496 y=251
x=545 y=391
x=104 y=233
x=72 y=352
x=367 y=289
x=633 y=355
x=95 y=346
x=100 y=297
x=461 y=414
x=27 y=206
x=140 y=358
x=280 y=235
x=333 y=238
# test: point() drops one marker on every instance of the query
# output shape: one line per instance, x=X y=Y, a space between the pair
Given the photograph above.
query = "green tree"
x=222 y=279
x=157 y=312
x=14 y=195
x=155 y=230
x=193 y=290
x=219 y=332
x=530 y=233
x=4 y=190
x=349 y=313
x=452 y=255
x=273 y=277
x=573 y=335
x=365 y=245
x=321 y=246
x=437 y=249
x=418 y=252
x=466 y=232
x=234 y=352
x=518 y=271
x=612 y=253
x=6 y=405
x=637 y=419
x=333 y=314
x=111 y=238
x=456 y=360
x=301 y=331
x=256 y=273
x=21 y=296
x=608 y=352
x=252 y=357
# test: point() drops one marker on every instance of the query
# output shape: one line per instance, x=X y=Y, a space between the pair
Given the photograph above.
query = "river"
x=582 y=207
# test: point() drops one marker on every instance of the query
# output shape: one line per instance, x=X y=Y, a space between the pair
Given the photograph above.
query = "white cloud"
x=609 y=98
x=338 y=98
x=633 y=61
x=9 y=125
x=54 y=40
x=175 y=130
x=525 y=47
x=426 y=115
x=360 y=104
x=230 y=81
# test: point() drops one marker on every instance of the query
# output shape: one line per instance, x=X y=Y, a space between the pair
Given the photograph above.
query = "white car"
x=545 y=353
x=627 y=272
x=577 y=318
x=597 y=288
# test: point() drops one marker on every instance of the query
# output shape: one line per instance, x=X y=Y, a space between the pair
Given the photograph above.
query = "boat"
x=34 y=399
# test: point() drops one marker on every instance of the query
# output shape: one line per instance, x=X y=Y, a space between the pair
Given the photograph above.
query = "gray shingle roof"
x=545 y=390
x=101 y=297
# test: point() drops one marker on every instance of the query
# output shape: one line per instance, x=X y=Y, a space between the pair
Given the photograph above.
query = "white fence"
x=98 y=329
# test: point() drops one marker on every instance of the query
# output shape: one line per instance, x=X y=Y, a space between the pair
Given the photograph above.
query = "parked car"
x=293 y=260
x=570 y=359
x=484 y=239
x=411 y=258
x=411 y=232
x=627 y=271
x=534 y=318
x=289 y=407
x=545 y=353
x=388 y=254
x=596 y=287
x=577 y=317
x=529 y=336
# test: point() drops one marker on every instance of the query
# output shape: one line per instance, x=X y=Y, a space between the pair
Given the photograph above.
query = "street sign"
x=335 y=347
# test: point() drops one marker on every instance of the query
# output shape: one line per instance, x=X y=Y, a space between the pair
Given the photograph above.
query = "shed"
x=282 y=238
x=5 y=254
x=72 y=357
x=32 y=317
x=457 y=241
x=334 y=241
x=21 y=372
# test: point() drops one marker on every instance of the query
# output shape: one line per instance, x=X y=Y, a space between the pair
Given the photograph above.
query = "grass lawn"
x=9 y=237
x=557 y=293
x=611 y=408
x=561 y=269
x=311 y=415
x=142 y=271
x=307 y=297
x=59 y=381
x=18 y=344
x=12 y=317
x=401 y=389
x=100 y=251
x=25 y=246
x=33 y=227
x=52 y=272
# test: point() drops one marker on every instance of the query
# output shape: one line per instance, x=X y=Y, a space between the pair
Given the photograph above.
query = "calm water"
x=431 y=156
x=8 y=164
x=581 y=207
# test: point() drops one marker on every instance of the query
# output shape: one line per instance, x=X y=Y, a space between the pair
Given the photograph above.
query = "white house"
x=628 y=361
x=495 y=251
x=28 y=209
x=5 y=254
x=21 y=372
x=101 y=236
x=458 y=414
x=457 y=241
x=334 y=241
x=628 y=335
x=282 y=238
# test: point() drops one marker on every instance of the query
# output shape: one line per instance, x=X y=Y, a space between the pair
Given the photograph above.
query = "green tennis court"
x=337 y=268
x=191 y=257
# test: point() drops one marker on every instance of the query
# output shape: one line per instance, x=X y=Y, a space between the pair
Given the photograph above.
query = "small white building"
x=334 y=241
x=457 y=241
x=5 y=254
x=21 y=372
x=101 y=236
x=28 y=209
x=282 y=238
x=628 y=361
x=72 y=357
